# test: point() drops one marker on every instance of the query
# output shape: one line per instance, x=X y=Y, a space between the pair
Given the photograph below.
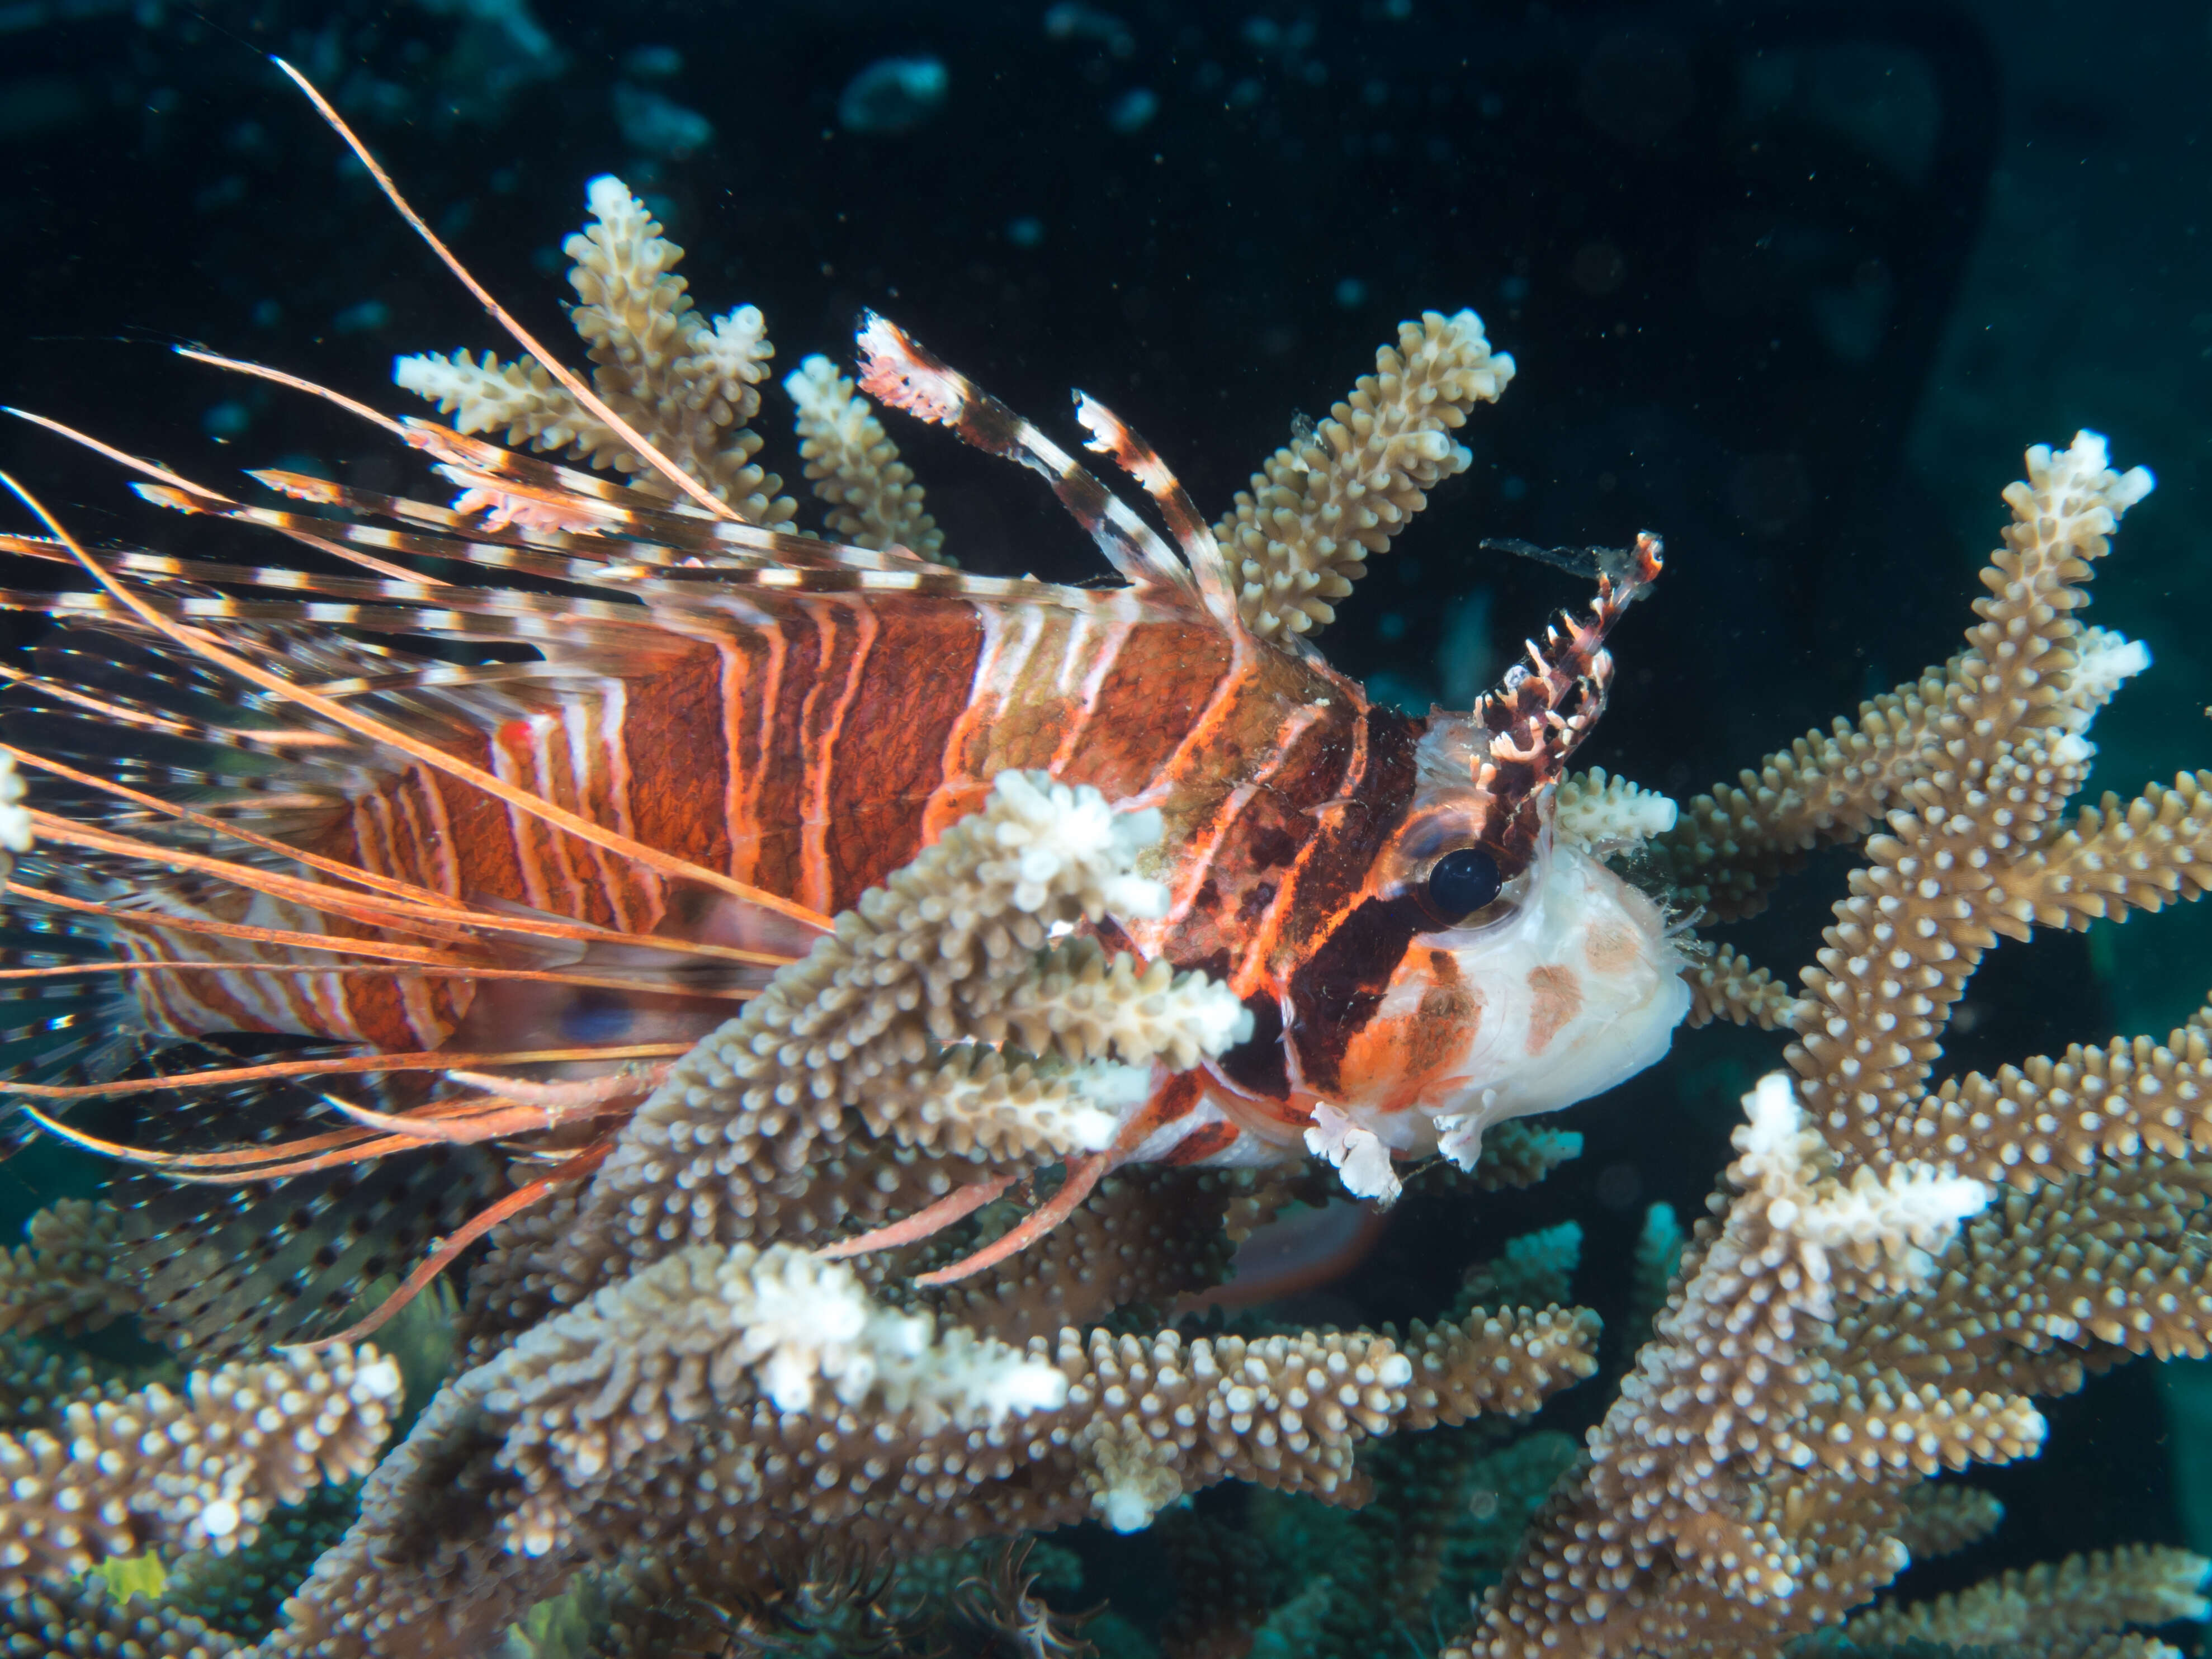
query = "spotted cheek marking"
x=1555 y=996
x=1612 y=948
x=1443 y=1030
x=1390 y=1063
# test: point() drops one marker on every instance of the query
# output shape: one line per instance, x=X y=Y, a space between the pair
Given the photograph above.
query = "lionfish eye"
x=1461 y=883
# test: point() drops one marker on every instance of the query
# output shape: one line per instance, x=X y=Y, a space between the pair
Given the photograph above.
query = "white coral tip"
x=609 y=196
x=1136 y=898
x=1773 y=1115
x=1221 y=1020
x=1137 y=832
x=1127 y=1510
x=378 y=1379
x=1031 y=1386
x=220 y=1519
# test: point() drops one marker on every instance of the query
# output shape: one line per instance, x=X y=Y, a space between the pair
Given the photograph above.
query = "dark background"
x=1792 y=285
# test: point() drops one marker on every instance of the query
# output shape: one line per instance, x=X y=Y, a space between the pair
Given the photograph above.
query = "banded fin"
x=1112 y=436
x=1517 y=740
x=56 y=1030
x=618 y=536
x=228 y=1270
x=897 y=370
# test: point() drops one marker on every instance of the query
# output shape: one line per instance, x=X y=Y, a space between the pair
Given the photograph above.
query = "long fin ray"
x=897 y=370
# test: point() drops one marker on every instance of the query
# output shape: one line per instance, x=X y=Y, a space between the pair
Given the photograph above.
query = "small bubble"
x=1352 y=293
x=267 y=314
x=226 y=421
x=1513 y=488
x=1619 y=1186
x=1513 y=290
x=1028 y=231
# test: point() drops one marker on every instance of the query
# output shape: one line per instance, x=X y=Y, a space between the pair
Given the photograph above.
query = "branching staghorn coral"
x=1609 y=815
x=1766 y=1491
x=1323 y=505
x=687 y=385
x=240 y=1593
x=671 y=1379
x=79 y=1618
x=1319 y=507
x=890 y=1019
x=60 y=1275
x=855 y=467
x=37 y=1385
x=761 y=1396
x=195 y=1472
x=2051 y=1606
x=1726 y=1392
x=1940 y=1520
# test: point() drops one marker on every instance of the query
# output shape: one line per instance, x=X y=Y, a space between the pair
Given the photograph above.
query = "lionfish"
x=293 y=848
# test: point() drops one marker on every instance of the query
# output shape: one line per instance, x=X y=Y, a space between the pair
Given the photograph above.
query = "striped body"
x=813 y=756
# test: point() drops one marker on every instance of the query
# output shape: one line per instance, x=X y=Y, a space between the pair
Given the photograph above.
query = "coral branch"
x=62 y=1274
x=1301 y=534
x=889 y=1018
x=199 y=1471
x=855 y=467
x=2082 y=1596
x=687 y=385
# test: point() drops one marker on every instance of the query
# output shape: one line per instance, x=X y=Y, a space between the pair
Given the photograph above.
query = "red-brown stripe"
x=890 y=749
x=674 y=735
x=1161 y=681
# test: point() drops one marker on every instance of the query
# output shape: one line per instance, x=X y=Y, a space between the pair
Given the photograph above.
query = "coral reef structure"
x=718 y=1391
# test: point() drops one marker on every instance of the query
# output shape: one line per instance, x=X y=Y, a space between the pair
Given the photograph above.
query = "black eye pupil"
x=1462 y=882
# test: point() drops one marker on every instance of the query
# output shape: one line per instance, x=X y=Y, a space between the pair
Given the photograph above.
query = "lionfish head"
x=1531 y=976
